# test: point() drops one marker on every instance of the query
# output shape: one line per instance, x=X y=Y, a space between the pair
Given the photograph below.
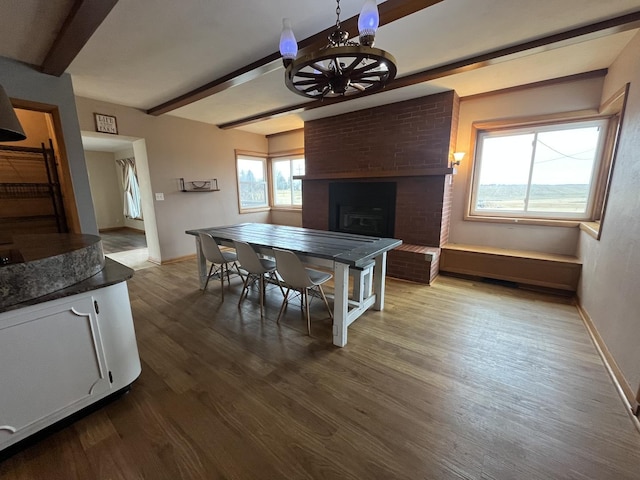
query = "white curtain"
x=132 y=206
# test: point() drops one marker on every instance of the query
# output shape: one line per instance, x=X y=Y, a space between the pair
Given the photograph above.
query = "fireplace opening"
x=364 y=208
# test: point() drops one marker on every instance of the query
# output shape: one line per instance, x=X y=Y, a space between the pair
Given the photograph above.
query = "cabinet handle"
x=95 y=305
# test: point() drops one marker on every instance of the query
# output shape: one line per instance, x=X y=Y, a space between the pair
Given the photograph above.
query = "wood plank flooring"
x=460 y=380
x=121 y=240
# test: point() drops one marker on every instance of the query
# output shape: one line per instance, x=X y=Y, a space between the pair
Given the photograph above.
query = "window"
x=538 y=171
x=252 y=182
x=287 y=191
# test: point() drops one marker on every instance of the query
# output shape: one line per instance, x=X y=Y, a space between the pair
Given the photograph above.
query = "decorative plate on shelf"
x=201 y=185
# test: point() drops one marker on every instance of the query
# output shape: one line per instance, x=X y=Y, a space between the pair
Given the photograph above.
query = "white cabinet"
x=60 y=356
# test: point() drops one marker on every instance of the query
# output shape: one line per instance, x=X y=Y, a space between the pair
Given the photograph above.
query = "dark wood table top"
x=354 y=250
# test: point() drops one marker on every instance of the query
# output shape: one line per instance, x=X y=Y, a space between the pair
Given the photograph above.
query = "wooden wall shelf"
x=210 y=185
x=417 y=172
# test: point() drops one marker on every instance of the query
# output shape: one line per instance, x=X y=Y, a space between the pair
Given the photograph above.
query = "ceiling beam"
x=83 y=20
x=390 y=11
x=577 y=35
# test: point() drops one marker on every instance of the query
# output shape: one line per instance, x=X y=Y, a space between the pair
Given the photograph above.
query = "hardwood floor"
x=122 y=240
x=459 y=380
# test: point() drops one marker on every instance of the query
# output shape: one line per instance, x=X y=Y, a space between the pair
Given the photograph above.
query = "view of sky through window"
x=545 y=170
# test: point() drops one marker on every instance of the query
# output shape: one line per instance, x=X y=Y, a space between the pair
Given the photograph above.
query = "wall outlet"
x=159 y=197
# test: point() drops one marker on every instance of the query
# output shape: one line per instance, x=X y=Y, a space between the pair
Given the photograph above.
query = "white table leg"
x=379 y=274
x=202 y=264
x=340 y=303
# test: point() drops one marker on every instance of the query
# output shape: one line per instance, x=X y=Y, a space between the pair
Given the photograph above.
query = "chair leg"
x=228 y=275
x=305 y=294
x=235 y=264
x=275 y=275
x=324 y=297
x=222 y=281
x=208 y=277
x=245 y=288
x=284 y=303
x=261 y=286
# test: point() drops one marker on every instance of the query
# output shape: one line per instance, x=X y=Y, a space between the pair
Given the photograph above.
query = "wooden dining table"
x=364 y=258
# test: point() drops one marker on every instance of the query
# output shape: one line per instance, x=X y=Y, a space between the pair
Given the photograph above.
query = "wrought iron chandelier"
x=342 y=67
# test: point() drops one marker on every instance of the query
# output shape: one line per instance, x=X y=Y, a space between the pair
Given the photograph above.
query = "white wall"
x=23 y=82
x=551 y=99
x=609 y=289
x=106 y=189
x=176 y=147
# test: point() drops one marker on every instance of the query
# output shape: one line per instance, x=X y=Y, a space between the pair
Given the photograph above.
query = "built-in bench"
x=417 y=263
x=560 y=272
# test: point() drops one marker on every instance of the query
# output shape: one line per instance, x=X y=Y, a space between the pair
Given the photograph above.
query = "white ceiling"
x=149 y=51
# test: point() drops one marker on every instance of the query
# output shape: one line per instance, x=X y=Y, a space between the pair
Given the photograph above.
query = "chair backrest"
x=210 y=248
x=291 y=269
x=248 y=258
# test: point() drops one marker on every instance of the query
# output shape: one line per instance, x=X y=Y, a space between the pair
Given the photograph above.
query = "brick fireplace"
x=407 y=144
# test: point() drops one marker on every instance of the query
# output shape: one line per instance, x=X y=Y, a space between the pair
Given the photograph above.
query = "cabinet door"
x=50 y=360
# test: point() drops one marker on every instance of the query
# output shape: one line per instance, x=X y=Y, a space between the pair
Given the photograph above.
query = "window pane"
x=251 y=182
x=504 y=173
x=282 y=182
x=563 y=169
x=287 y=191
x=297 y=167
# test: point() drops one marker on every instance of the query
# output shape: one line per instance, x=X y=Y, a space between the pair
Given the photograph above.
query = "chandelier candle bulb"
x=288 y=43
x=368 y=22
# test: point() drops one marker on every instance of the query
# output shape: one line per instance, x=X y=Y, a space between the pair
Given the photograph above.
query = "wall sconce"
x=457 y=157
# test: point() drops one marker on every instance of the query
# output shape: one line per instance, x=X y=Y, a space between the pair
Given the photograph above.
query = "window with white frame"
x=252 y=182
x=547 y=171
x=287 y=191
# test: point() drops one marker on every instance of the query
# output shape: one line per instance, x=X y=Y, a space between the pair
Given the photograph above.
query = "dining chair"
x=301 y=279
x=257 y=268
x=213 y=254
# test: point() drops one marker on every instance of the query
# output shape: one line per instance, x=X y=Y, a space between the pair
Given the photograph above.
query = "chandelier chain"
x=338 y=14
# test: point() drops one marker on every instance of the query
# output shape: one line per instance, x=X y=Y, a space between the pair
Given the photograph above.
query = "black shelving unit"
x=11 y=157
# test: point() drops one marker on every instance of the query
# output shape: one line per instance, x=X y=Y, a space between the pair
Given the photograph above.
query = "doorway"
x=125 y=237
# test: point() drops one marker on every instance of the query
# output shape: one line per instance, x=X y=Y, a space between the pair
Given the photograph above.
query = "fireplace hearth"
x=364 y=208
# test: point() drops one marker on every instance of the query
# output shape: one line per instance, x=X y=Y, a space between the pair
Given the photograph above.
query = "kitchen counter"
x=67 y=337
x=37 y=265
x=112 y=273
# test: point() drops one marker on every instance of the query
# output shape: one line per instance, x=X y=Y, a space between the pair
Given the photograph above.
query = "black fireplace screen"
x=365 y=208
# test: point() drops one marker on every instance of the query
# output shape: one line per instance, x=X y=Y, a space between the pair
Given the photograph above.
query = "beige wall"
x=611 y=266
x=284 y=142
x=175 y=148
x=565 y=97
x=36 y=128
x=106 y=189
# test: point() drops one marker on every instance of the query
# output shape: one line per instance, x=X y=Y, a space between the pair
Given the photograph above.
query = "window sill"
x=254 y=210
x=591 y=228
x=525 y=221
x=287 y=209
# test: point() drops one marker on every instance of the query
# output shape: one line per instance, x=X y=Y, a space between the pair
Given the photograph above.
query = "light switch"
x=159 y=196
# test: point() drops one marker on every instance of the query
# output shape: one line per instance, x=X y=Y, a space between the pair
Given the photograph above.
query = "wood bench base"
x=561 y=272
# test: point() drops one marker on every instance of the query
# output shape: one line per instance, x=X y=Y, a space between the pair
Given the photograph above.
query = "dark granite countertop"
x=40 y=264
x=112 y=273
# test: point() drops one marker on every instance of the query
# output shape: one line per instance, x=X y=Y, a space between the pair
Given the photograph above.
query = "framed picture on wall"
x=105 y=123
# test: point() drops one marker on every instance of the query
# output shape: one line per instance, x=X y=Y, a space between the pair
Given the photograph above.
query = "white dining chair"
x=301 y=279
x=257 y=268
x=219 y=259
